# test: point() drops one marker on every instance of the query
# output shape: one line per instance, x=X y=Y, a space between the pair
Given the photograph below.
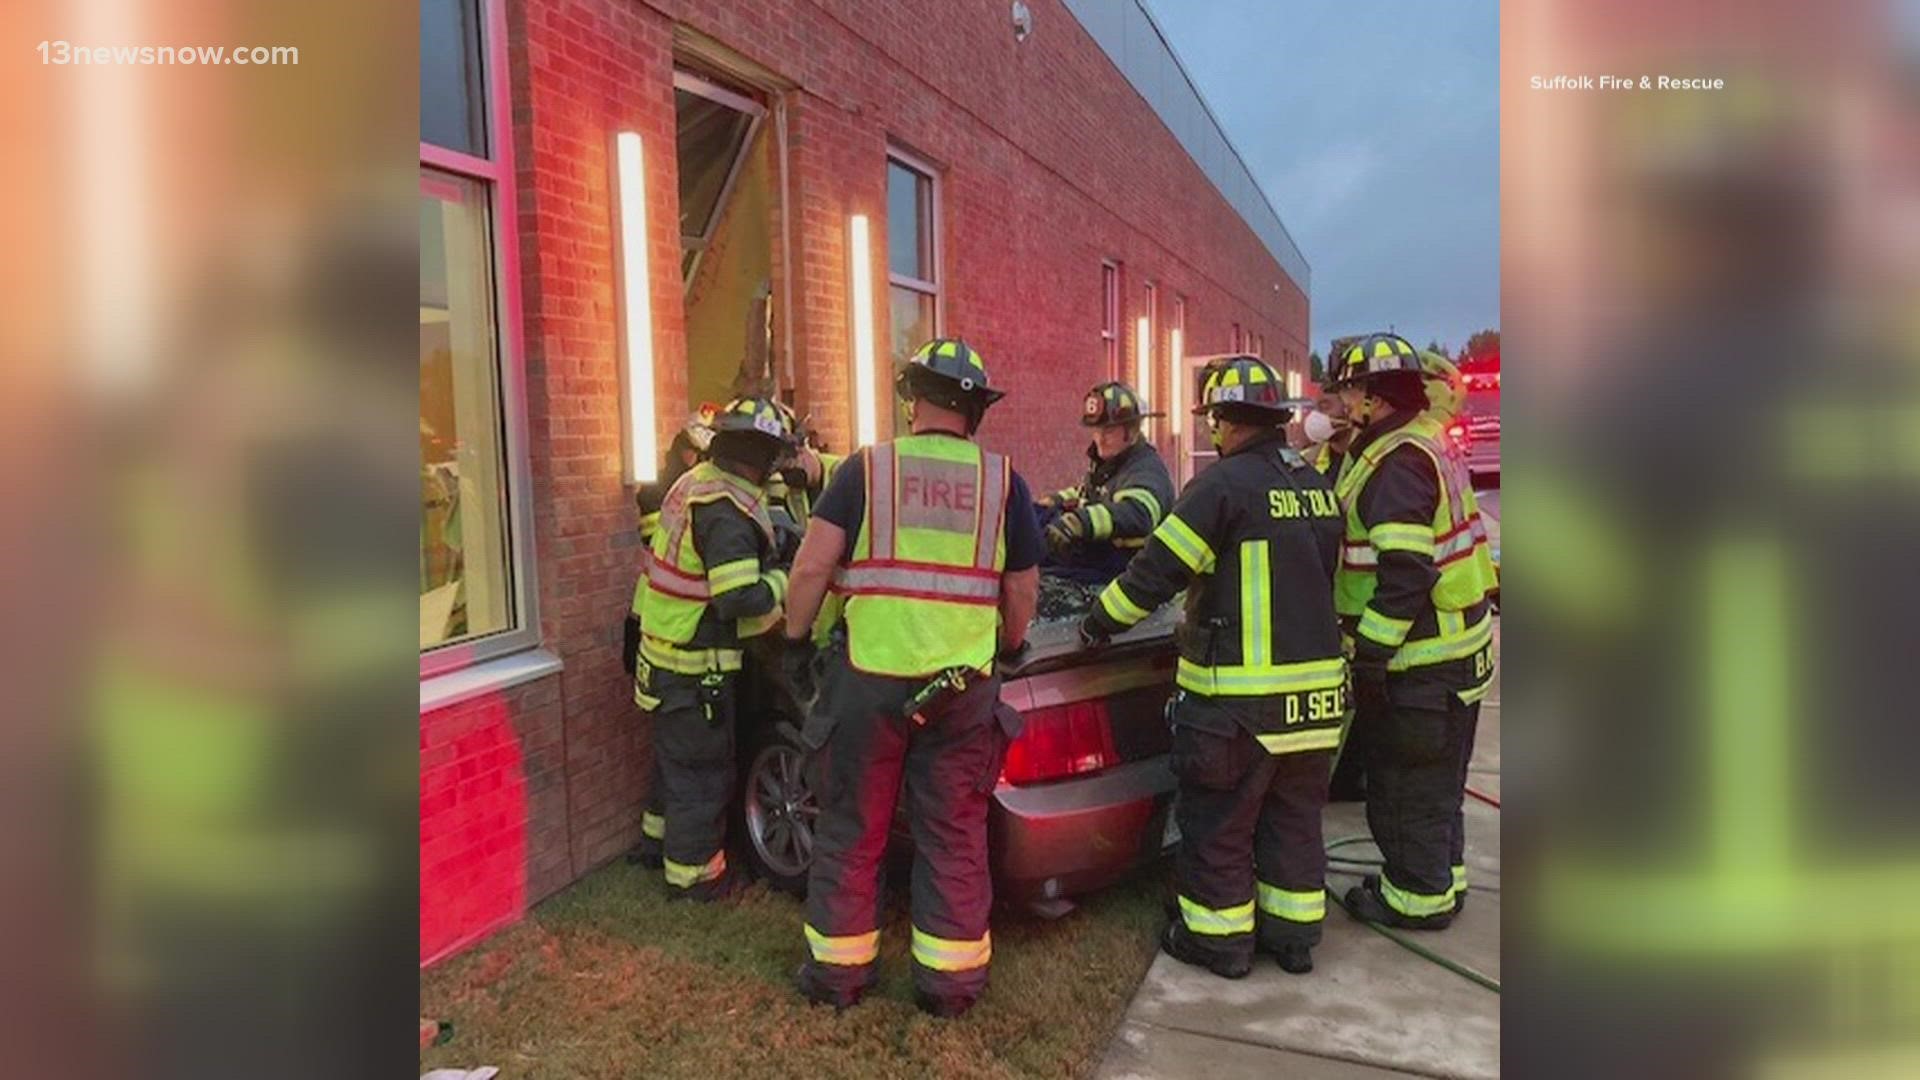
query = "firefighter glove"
x=796 y=668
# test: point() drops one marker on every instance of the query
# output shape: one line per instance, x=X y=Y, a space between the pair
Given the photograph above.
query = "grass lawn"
x=607 y=979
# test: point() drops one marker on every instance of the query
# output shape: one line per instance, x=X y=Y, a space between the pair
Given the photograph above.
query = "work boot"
x=1294 y=958
x=1363 y=902
x=647 y=854
x=818 y=992
x=725 y=887
x=944 y=1006
x=1176 y=945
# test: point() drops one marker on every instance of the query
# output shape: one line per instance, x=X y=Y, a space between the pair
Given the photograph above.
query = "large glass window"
x=452 y=113
x=465 y=570
x=714 y=129
x=474 y=599
x=913 y=255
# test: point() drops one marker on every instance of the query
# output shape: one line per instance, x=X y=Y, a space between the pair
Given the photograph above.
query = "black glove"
x=1092 y=634
x=796 y=668
x=786 y=543
x=1012 y=655
x=1369 y=685
x=1067 y=530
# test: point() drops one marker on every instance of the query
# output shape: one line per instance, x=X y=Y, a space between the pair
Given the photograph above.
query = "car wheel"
x=779 y=812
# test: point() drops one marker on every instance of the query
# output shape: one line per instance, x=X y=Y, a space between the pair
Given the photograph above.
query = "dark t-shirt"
x=844 y=503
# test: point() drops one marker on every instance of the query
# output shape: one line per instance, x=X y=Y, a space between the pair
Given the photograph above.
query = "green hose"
x=1402 y=940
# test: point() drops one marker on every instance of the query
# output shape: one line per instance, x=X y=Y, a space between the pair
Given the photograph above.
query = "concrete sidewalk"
x=1369 y=1009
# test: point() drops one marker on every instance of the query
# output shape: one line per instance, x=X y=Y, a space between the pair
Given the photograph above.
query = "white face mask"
x=1318 y=427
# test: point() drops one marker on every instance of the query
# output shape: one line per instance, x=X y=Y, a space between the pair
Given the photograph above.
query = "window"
x=913 y=253
x=1260 y=346
x=475 y=598
x=1110 y=315
x=714 y=128
x=1238 y=342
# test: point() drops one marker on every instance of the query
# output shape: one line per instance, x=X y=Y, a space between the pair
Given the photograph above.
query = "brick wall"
x=1049 y=162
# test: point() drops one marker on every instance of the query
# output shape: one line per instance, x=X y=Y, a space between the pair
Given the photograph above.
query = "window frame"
x=700 y=86
x=1151 y=391
x=496 y=172
x=1110 y=315
x=923 y=168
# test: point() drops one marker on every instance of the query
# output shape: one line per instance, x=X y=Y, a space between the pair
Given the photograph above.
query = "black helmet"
x=756 y=416
x=1112 y=403
x=948 y=372
x=1372 y=354
x=1245 y=381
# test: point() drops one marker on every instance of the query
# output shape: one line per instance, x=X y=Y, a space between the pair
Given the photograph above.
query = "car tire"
x=777 y=814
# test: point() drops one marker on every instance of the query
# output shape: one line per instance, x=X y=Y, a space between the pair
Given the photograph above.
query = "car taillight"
x=1064 y=740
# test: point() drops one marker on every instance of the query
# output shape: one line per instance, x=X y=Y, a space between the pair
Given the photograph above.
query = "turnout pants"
x=693 y=749
x=1251 y=865
x=949 y=766
x=1416 y=776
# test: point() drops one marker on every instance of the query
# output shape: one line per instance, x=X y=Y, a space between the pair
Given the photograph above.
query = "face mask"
x=1318 y=427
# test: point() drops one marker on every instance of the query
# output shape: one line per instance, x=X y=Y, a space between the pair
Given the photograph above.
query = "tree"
x=1316 y=369
x=1434 y=346
x=1482 y=343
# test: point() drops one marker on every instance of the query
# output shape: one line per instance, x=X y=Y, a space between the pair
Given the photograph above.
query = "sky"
x=1373 y=127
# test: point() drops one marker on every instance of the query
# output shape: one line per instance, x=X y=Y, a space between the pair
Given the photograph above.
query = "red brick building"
x=1039 y=178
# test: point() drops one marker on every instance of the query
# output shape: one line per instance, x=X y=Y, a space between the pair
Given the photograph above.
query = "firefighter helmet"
x=1245 y=381
x=947 y=370
x=1373 y=354
x=756 y=416
x=1113 y=403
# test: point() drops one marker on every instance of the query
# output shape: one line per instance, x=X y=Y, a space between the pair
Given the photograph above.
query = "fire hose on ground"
x=1362 y=865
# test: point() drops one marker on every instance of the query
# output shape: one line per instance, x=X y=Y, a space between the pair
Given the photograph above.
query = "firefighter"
x=1412 y=591
x=803 y=474
x=689 y=446
x=1328 y=435
x=1254 y=541
x=711 y=583
x=933 y=542
x=1094 y=528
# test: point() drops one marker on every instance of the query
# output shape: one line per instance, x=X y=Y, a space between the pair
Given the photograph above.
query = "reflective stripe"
x=1293 y=906
x=926 y=580
x=663 y=575
x=1439 y=650
x=847 y=950
x=1144 y=498
x=687 y=875
x=1383 y=629
x=1130 y=542
x=1185 y=544
x=1099 y=521
x=1461 y=540
x=1299 y=742
x=1359 y=556
x=1240 y=680
x=880 y=498
x=1256 y=607
x=653 y=826
x=1475 y=693
x=990 y=509
x=776 y=580
x=729 y=576
x=683 y=661
x=1459 y=878
x=1400 y=536
x=1217 y=922
x=948 y=954
x=1118 y=605
x=1415 y=905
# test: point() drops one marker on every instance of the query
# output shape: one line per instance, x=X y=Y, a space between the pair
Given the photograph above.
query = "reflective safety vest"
x=1456 y=540
x=922 y=583
x=677 y=588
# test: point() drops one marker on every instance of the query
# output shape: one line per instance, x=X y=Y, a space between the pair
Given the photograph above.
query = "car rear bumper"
x=1072 y=836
